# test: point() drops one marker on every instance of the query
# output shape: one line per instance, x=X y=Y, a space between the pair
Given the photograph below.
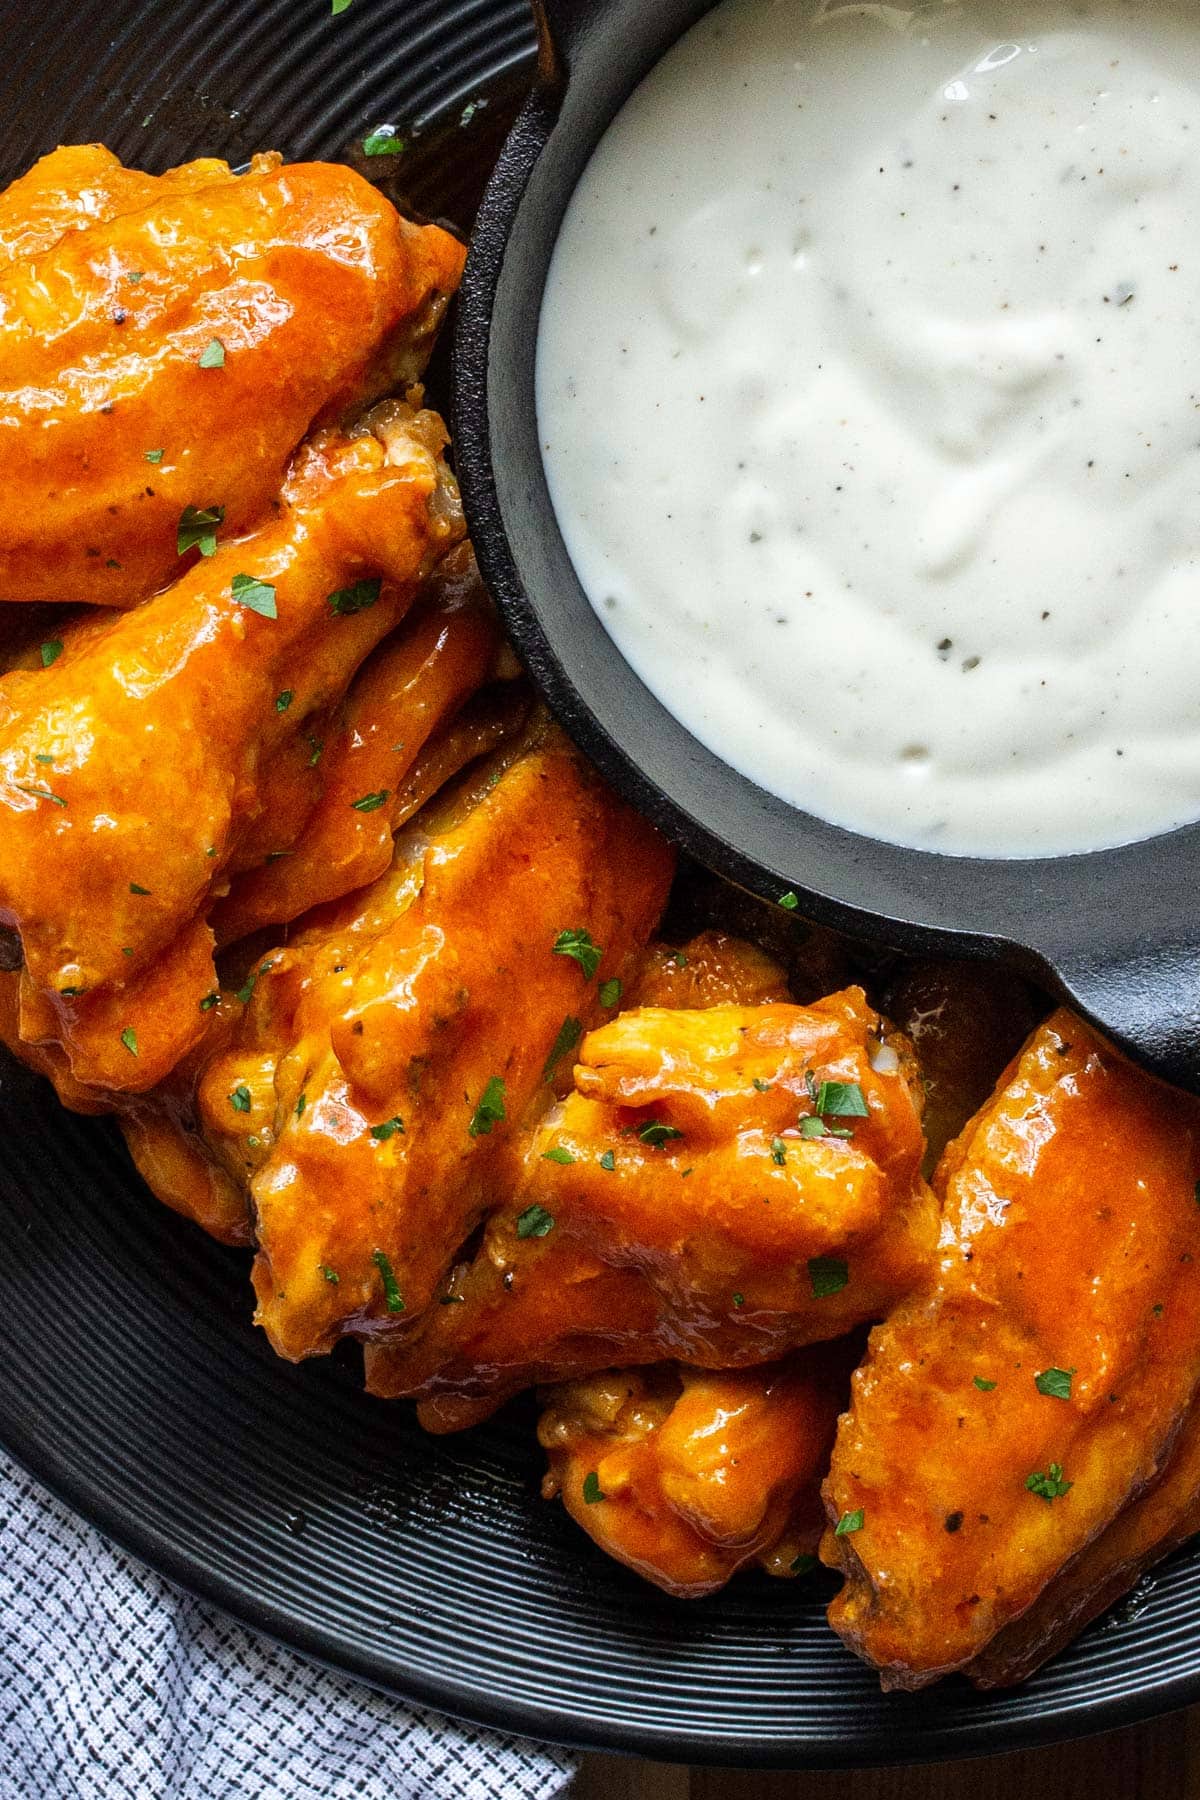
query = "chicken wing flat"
x=383 y=1056
x=165 y=343
x=1004 y=1417
x=688 y=1475
x=129 y=767
x=721 y=1187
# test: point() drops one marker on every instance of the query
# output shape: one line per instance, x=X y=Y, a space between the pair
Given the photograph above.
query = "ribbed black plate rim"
x=135 y=1387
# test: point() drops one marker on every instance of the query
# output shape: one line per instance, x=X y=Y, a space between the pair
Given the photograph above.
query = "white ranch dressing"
x=869 y=391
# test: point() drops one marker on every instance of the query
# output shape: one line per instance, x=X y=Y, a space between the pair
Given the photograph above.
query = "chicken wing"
x=688 y=1475
x=165 y=343
x=1005 y=1416
x=129 y=767
x=721 y=1187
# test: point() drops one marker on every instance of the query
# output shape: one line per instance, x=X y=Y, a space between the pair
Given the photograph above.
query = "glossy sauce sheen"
x=869 y=391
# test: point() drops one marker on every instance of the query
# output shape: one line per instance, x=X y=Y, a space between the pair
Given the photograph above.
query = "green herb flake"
x=569 y=1034
x=382 y=143
x=842 y=1100
x=452 y=1300
x=340 y=6
x=331 y=1275
x=391 y=1290
x=490 y=1110
x=134 y=275
x=239 y=1099
x=213 y=355
x=610 y=992
x=535 y=1221
x=129 y=1039
x=257 y=596
x=197 y=529
x=135 y=888
x=739 y=1300
x=811 y=1127
x=804 y=1564
x=388 y=1129
x=316 y=746
x=209 y=1001
x=42 y=758
x=301 y=1103
x=559 y=1154
x=354 y=599
x=788 y=901
x=778 y=1151
x=760 y=1086
x=608 y=1162
x=40 y=793
x=592 y=1491
x=827 y=1275
x=850 y=1522
x=284 y=700
x=1050 y=1485
x=656 y=1134
x=985 y=1387
x=578 y=943
x=1054 y=1383
x=153 y=456
x=369 y=803
x=51 y=651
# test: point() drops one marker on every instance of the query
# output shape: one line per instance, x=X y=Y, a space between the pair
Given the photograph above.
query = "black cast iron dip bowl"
x=1111 y=931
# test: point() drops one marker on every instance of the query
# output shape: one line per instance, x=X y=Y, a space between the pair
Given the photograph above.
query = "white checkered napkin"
x=114 y=1686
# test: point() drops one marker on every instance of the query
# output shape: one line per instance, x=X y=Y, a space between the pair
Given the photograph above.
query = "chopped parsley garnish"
x=608 y=1161
x=1054 y=1383
x=388 y=1129
x=592 y=1490
x=490 y=1110
x=40 y=793
x=535 y=1221
x=760 y=1086
x=198 y=529
x=51 y=651
x=391 y=1289
x=316 y=746
x=811 y=1127
x=1048 y=1486
x=154 y=456
x=569 y=1033
x=129 y=1039
x=331 y=1275
x=828 y=1275
x=284 y=700
x=213 y=355
x=739 y=1300
x=355 y=599
x=610 y=992
x=382 y=143
x=804 y=1564
x=842 y=1100
x=43 y=758
x=559 y=1154
x=135 y=888
x=209 y=1001
x=258 y=596
x=985 y=1387
x=788 y=901
x=370 y=802
x=810 y=1082
x=656 y=1134
x=849 y=1521
x=301 y=1103
x=239 y=1099
x=579 y=944
x=778 y=1151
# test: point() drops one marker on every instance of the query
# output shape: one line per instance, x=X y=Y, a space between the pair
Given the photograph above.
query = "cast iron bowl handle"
x=1145 y=998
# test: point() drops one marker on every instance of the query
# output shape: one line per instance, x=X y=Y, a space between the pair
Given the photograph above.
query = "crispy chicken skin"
x=317 y=294
x=693 y=1216
x=688 y=1475
x=129 y=768
x=369 y=1084
x=961 y=1484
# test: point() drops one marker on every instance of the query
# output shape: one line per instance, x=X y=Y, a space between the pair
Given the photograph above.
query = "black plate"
x=133 y=1383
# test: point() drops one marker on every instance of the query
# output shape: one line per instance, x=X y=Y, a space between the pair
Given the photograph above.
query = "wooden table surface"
x=1159 y=1761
